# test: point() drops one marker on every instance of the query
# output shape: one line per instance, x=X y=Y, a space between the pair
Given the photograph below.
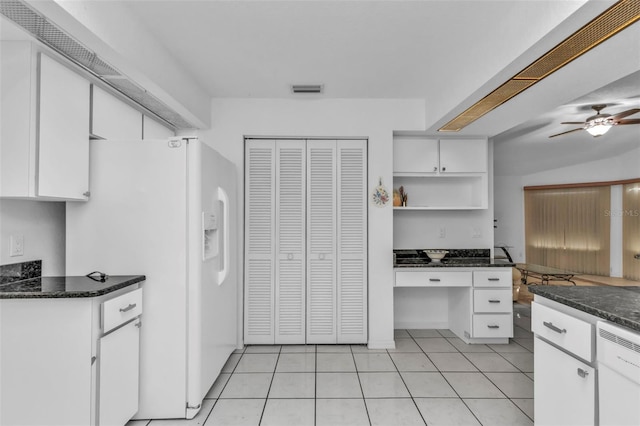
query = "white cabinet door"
x=18 y=119
x=564 y=388
x=118 y=361
x=111 y=118
x=415 y=155
x=463 y=155
x=259 y=241
x=63 y=141
x=290 y=241
x=352 y=241
x=321 y=241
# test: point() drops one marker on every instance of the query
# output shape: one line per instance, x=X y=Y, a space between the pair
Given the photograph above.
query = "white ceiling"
x=449 y=52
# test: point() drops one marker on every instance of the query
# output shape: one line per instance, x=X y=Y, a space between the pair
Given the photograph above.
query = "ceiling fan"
x=599 y=124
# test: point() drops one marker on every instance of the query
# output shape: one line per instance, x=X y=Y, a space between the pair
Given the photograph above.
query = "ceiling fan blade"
x=572 y=122
x=628 y=121
x=564 y=133
x=624 y=114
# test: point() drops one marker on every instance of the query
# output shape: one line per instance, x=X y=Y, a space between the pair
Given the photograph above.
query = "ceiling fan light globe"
x=598 y=129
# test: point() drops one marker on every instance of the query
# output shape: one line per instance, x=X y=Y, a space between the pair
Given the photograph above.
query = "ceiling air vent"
x=610 y=22
x=54 y=37
x=307 y=88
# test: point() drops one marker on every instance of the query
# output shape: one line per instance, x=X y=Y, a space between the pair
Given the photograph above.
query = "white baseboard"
x=416 y=325
x=381 y=344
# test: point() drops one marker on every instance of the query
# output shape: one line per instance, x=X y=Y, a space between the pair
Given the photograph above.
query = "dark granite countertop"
x=456 y=258
x=65 y=287
x=471 y=262
x=620 y=305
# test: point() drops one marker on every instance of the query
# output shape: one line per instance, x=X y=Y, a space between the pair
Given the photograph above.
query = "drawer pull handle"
x=493 y=326
x=494 y=279
x=582 y=373
x=437 y=280
x=494 y=301
x=128 y=308
x=554 y=328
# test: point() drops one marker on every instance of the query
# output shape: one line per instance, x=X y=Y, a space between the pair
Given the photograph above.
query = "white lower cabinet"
x=565 y=388
x=492 y=304
x=480 y=309
x=498 y=326
x=58 y=366
x=564 y=363
x=119 y=354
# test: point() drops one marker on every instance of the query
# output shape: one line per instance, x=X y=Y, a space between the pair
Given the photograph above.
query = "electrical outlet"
x=16 y=245
x=477 y=233
x=443 y=232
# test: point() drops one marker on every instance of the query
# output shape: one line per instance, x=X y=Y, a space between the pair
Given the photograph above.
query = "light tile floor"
x=430 y=378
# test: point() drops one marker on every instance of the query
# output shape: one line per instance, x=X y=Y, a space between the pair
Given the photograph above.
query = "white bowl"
x=436 y=255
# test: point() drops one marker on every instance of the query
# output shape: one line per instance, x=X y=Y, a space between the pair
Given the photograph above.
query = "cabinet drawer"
x=570 y=333
x=497 y=278
x=433 y=279
x=121 y=309
x=496 y=325
x=492 y=300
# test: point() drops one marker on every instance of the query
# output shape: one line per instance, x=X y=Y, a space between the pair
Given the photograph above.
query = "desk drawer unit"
x=492 y=301
x=433 y=279
x=570 y=333
x=493 y=325
x=501 y=277
x=121 y=309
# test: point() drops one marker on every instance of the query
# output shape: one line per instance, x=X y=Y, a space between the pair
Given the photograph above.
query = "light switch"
x=16 y=245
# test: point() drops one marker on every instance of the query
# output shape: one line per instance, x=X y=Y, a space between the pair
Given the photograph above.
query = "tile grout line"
x=454 y=389
x=405 y=384
x=364 y=400
x=266 y=398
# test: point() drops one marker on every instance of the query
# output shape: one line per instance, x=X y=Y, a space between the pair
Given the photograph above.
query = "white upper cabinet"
x=463 y=155
x=111 y=118
x=45 y=127
x=415 y=155
x=423 y=155
x=151 y=129
x=441 y=174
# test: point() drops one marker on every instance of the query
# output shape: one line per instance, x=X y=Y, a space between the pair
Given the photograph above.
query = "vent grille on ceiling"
x=610 y=22
x=307 y=88
x=53 y=37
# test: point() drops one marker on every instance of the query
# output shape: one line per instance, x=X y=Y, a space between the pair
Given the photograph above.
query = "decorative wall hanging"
x=380 y=195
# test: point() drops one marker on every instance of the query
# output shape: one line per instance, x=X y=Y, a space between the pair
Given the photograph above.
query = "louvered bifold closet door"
x=352 y=241
x=259 y=241
x=290 y=241
x=321 y=241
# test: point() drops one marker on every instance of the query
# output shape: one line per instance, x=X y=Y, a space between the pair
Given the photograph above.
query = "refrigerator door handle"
x=222 y=196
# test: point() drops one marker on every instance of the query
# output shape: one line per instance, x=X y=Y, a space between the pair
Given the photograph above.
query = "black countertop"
x=65 y=287
x=470 y=262
x=620 y=305
x=456 y=258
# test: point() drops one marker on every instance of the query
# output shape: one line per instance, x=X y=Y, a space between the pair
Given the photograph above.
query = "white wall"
x=232 y=119
x=42 y=224
x=509 y=197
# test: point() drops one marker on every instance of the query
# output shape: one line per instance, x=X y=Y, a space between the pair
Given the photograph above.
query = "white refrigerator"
x=165 y=209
